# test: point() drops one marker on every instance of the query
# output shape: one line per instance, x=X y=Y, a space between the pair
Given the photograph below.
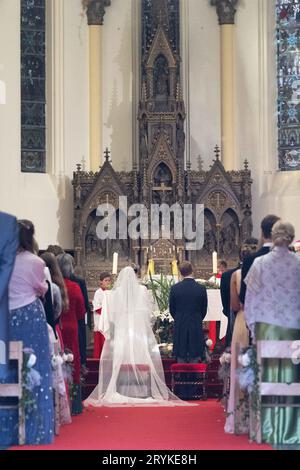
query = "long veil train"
x=130 y=368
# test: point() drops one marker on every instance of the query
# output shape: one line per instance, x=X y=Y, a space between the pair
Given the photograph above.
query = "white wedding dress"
x=130 y=368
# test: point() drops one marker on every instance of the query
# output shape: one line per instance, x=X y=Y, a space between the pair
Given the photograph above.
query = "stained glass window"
x=165 y=12
x=288 y=77
x=33 y=96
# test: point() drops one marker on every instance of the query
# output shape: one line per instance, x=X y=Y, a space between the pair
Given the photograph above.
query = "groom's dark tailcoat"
x=9 y=243
x=188 y=306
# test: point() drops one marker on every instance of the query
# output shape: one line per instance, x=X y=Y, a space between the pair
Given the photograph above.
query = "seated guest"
x=28 y=324
x=69 y=324
x=237 y=421
x=104 y=283
x=272 y=312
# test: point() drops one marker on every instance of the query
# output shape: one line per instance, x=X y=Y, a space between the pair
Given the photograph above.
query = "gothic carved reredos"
x=226 y=197
x=160 y=173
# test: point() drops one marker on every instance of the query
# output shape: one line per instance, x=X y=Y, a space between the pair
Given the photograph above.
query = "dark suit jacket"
x=188 y=306
x=247 y=263
x=225 y=290
x=9 y=244
x=225 y=297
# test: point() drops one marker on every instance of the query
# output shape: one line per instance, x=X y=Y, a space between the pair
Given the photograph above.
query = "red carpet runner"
x=178 y=428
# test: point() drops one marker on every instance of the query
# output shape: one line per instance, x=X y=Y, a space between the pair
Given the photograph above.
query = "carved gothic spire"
x=160 y=13
x=225 y=10
x=95 y=11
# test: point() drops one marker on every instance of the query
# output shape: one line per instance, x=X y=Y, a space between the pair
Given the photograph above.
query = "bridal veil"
x=130 y=368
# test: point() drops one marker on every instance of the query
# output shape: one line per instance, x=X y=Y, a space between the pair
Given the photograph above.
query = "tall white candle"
x=115 y=263
x=215 y=262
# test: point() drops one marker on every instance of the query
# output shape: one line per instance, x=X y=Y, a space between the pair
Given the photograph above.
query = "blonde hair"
x=283 y=233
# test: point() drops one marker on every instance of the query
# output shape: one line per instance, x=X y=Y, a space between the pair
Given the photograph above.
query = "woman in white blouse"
x=272 y=312
x=28 y=324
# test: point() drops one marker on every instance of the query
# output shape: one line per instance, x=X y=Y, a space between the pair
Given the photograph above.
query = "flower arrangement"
x=224 y=369
x=247 y=373
x=68 y=368
x=31 y=378
x=166 y=349
x=210 y=284
x=163 y=321
x=208 y=352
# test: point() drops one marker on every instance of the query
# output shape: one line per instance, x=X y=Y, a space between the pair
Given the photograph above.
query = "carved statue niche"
x=162 y=175
x=180 y=138
x=161 y=77
x=144 y=138
x=229 y=234
x=118 y=245
x=95 y=248
x=210 y=241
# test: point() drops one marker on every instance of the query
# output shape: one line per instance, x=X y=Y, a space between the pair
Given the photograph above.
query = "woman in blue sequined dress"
x=28 y=324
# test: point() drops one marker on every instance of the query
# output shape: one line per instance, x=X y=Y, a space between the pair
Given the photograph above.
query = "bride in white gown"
x=130 y=368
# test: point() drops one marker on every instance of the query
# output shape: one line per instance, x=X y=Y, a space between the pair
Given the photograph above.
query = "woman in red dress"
x=69 y=326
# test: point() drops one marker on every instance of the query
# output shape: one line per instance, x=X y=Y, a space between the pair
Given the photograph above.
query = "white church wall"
x=118 y=44
x=200 y=56
x=46 y=199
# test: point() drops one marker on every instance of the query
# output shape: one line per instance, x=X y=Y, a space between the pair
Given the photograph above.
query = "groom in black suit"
x=188 y=306
x=266 y=236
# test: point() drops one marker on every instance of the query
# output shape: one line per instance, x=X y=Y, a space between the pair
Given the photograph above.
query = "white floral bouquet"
x=163 y=321
x=68 y=367
x=224 y=369
x=31 y=379
x=248 y=371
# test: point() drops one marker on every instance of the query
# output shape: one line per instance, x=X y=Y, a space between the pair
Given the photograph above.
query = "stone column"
x=226 y=11
x=95 y=13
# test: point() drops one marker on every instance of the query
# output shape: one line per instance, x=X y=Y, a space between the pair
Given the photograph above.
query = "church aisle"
x=178 y=428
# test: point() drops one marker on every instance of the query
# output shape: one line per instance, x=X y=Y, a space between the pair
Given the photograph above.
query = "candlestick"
x=174 y=268
x=215 y=262
x=115 y=263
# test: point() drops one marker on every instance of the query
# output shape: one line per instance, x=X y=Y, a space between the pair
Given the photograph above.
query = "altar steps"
x=214 y=385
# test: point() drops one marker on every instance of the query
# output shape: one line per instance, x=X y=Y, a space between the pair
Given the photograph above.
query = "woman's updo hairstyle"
x=283 y=233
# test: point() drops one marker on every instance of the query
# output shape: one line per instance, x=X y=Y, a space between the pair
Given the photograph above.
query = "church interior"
x=168 y=92
x=160 y=101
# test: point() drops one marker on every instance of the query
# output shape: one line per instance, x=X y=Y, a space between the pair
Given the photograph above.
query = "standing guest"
x=60 y=304
x=225 y=297
x=9 y=242
x=105 y=282
x=266 y=239
x=188 y=307
x=57 y=250
x=69 y=324
x=237 y=421
x=28 y=324
x=60 y=295
x=81 y=322
x=272 y=312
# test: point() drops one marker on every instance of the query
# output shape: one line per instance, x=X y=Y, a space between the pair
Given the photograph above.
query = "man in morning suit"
x=9 y=244
x=188 y=306
x=266 y=236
